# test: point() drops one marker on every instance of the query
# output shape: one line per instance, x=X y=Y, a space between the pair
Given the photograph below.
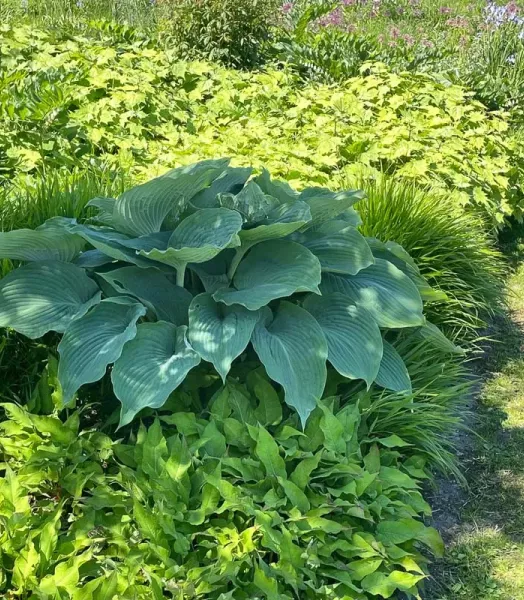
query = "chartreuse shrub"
x=232 y=501
x=201 y=263
x=134 y=105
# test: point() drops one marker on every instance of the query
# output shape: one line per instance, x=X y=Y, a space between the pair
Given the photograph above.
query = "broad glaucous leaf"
x=326 y=205
x=382 y=289
x=168 y=301
x=250 y=202
x=105 y=208
x=219 y=333
x=293 y=349
x=151 y=366
x=338 y=250
x=199 y=237
x=94 y=341
x=144 y=208
x=230 y=181
x=353 y=337
x=110 y=242
x=393 y=374
x=277 y=188
x=272 y=269
x=278 y=223
x=45 y=296
x=50 y=241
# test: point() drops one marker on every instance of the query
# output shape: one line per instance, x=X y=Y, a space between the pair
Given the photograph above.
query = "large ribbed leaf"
x=105 y=207
x=397 y=255
x=251 y=203
x=144 y=208
x=382 y=289
x=45 y=296
x=219 y=333
x=111 y=243
x=170 y=302
x=200 y=237
x=231 y=181
x=293 y=349
x=151 y=367
x=50 y=241
x=338 y=250
x=393 y=374
x=95 y=341
x=280 y=221
x=353 y=337
x=279 y=189
x=213 y=273
x=90 y=259
x=326 y=205
x=271 y=270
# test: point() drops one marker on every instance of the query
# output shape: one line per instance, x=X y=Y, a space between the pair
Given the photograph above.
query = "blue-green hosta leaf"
x=271 y=270
x=144 y=208
x=393 y=374
x=279 y=189
x=339 y=251
x=111 y=243
x=90 y=259
x=326 y=205
x=435 y=337
x=250 y=202
x=95 y=341
x=280 y=221
x=351 y=216
x=200 y=237
x=170 y=302
x=353 y=337
x=231 y=181
x=45 y=296
x=151 y=367
x=397 y=255
x=105 y=207
x=50 y=241
x=382 y=289
x=219 y=333
x=213 y=273
x=293 y=349
x=147 y=242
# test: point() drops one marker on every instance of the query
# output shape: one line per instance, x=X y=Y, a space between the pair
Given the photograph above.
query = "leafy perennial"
x=199 y=264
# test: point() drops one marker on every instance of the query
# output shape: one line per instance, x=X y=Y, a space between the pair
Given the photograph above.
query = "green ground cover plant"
x=94 y=100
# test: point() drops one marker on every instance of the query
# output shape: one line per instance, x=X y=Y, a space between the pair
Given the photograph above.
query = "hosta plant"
x=207 y=263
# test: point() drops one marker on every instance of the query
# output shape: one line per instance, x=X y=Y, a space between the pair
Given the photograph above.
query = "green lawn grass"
x=485 y=559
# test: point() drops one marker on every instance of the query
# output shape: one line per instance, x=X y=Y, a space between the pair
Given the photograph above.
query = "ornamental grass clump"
x=206 y=263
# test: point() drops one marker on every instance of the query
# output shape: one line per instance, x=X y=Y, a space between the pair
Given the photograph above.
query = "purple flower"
x=444 y=10
x=287 y=7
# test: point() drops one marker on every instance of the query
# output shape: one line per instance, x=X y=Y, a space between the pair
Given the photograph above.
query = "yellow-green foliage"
x=132 y=103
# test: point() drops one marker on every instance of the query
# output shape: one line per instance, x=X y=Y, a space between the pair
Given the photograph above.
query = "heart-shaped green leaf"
x=326 y=205
x=199 y=237
x=393 y=374
x=105 y=206
x=280 y=221
x=383 y=290
x=353 y=337
x=271 y=270
x=219 y=333
x=151 y=367
x=45 y=296
x=111 y=243
x=95 y=341
x=338 y=250
x=144 y=208
x=293 y=349
x=229 y=182
x=250 y=202
x=50 y=241
x=170 y=302
x=279 y=189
